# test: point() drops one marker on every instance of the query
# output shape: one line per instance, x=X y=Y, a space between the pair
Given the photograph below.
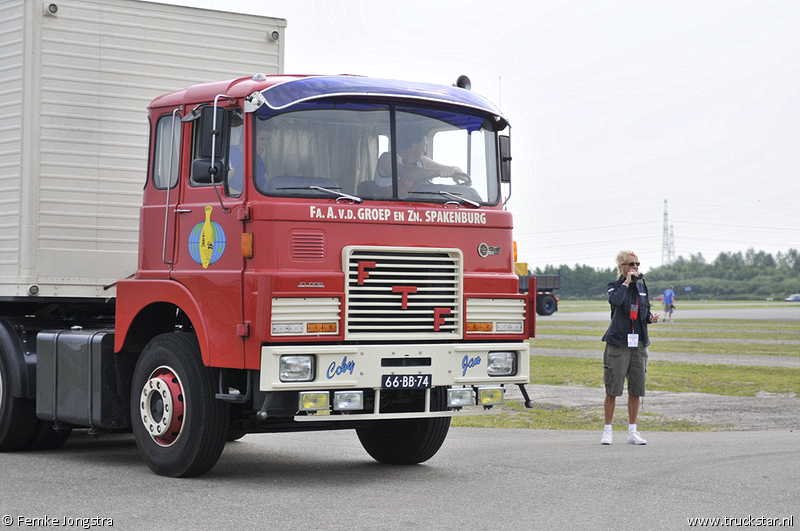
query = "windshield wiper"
x=339 y=195
x=461 y=200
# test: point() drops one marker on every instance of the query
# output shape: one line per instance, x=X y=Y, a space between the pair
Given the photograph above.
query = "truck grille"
x=403 y=293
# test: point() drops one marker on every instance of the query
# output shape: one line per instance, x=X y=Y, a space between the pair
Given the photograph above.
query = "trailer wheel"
x=179 y=425
x=18 y=420
x=546 y=305
x=406 y=442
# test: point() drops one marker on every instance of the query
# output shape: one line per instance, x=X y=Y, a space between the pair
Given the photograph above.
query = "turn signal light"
x=247 y=245
x=480 y=327
x=316 y=328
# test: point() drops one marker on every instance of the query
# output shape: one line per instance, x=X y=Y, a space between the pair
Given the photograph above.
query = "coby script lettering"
x=338 y=370
x=468 y=363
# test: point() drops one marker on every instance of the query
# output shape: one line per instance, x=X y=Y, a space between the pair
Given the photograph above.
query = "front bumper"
x=363 y=367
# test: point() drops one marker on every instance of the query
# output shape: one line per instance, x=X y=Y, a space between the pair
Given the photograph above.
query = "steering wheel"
x=462 y=178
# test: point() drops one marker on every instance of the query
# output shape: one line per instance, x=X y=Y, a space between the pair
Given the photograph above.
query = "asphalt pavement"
x=482 y=478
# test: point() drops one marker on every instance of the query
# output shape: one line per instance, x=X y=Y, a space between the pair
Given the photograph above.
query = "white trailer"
x=76 y=77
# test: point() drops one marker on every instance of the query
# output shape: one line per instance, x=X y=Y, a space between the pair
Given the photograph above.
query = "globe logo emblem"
x=207 y=241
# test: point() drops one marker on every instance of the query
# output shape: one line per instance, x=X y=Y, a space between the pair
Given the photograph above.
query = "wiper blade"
x=339 y=195
x=455 y=197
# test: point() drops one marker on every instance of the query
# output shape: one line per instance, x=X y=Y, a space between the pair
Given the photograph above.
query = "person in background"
x=626 y=339
x=669 y=299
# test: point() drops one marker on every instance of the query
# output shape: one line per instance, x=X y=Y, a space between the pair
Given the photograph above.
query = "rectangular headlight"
x=513 y=327
x=296 y=368
x=490 y=396
x=313 y=401
x=287 y=328
x=459 y=397
x=502 y=363
x=348 y=400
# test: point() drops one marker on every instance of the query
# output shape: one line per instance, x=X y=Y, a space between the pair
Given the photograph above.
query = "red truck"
x=292 y=275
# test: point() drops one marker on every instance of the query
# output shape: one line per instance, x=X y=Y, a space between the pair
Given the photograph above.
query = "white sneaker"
x=606 y=438
x=634 y=438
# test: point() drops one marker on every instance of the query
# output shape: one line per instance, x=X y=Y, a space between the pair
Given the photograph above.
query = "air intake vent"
x=308 y=245
x=403 y=293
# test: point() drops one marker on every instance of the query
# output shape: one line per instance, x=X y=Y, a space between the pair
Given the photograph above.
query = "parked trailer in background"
x=545 y=285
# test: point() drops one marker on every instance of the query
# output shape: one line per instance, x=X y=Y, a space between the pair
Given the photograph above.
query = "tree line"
x=731 y=276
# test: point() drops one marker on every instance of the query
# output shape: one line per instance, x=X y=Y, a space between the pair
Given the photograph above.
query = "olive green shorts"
x=620 y=363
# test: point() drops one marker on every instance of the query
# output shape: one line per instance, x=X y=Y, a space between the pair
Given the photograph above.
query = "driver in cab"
x=413 y=166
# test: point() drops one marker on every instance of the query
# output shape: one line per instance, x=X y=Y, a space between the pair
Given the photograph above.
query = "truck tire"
x=18 y=420
x=546 y=305
x=406 y=442
x=179 y=425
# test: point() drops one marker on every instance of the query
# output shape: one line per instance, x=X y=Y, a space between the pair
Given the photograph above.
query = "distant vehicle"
x=795 y=297
x=546 y=301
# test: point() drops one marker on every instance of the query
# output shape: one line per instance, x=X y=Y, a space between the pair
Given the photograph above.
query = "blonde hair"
x=621 y=256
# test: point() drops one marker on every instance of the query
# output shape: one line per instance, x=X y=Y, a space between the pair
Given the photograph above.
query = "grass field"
x=694 y=336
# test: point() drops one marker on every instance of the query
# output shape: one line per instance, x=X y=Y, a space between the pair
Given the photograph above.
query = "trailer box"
x=77 y=77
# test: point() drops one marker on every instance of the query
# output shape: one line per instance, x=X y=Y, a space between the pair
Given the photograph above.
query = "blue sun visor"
x=284 y=95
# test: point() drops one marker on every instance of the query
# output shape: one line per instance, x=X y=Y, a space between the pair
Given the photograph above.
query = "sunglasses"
x=631 y=264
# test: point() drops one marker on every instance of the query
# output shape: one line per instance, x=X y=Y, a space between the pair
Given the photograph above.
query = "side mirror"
x=208 y=132
x=211 y=144
x=505 y=159
x=203 y=173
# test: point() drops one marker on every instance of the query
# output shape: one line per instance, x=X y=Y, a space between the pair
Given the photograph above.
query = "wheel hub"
x=161 y=406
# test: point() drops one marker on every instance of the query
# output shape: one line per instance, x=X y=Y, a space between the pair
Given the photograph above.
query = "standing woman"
x=626 y=339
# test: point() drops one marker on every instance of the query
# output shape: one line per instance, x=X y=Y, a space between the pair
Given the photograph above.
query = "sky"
x=616 y=107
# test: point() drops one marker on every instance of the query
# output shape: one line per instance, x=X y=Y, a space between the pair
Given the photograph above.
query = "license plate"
x=406 y=381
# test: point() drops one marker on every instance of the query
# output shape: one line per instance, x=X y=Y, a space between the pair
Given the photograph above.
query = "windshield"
x=328 y=148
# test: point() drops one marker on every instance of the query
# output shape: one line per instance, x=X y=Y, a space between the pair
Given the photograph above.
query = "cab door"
x=157 y=217
x=207 y=256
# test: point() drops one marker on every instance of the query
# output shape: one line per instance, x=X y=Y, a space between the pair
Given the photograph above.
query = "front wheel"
x=179 y=425
x=406 y=442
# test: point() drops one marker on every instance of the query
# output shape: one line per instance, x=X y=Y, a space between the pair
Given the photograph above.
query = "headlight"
x=348 y=400
x=459 y=397
x=490 y=396
x=513 y=327
x=502 y=363
x=296 y=368
x=313 y=401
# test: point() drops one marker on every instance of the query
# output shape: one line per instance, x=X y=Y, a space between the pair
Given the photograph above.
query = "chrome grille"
x=403 y=293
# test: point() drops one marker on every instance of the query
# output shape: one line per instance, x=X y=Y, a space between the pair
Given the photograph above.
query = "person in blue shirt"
x=669 y=299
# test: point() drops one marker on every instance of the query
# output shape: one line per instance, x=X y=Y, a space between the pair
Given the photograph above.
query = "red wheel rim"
x=161 y=405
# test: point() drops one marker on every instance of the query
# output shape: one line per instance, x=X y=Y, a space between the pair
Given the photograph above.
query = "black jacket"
x=621 y=297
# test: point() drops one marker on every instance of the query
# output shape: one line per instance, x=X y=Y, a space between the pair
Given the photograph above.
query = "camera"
x=637 y=276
